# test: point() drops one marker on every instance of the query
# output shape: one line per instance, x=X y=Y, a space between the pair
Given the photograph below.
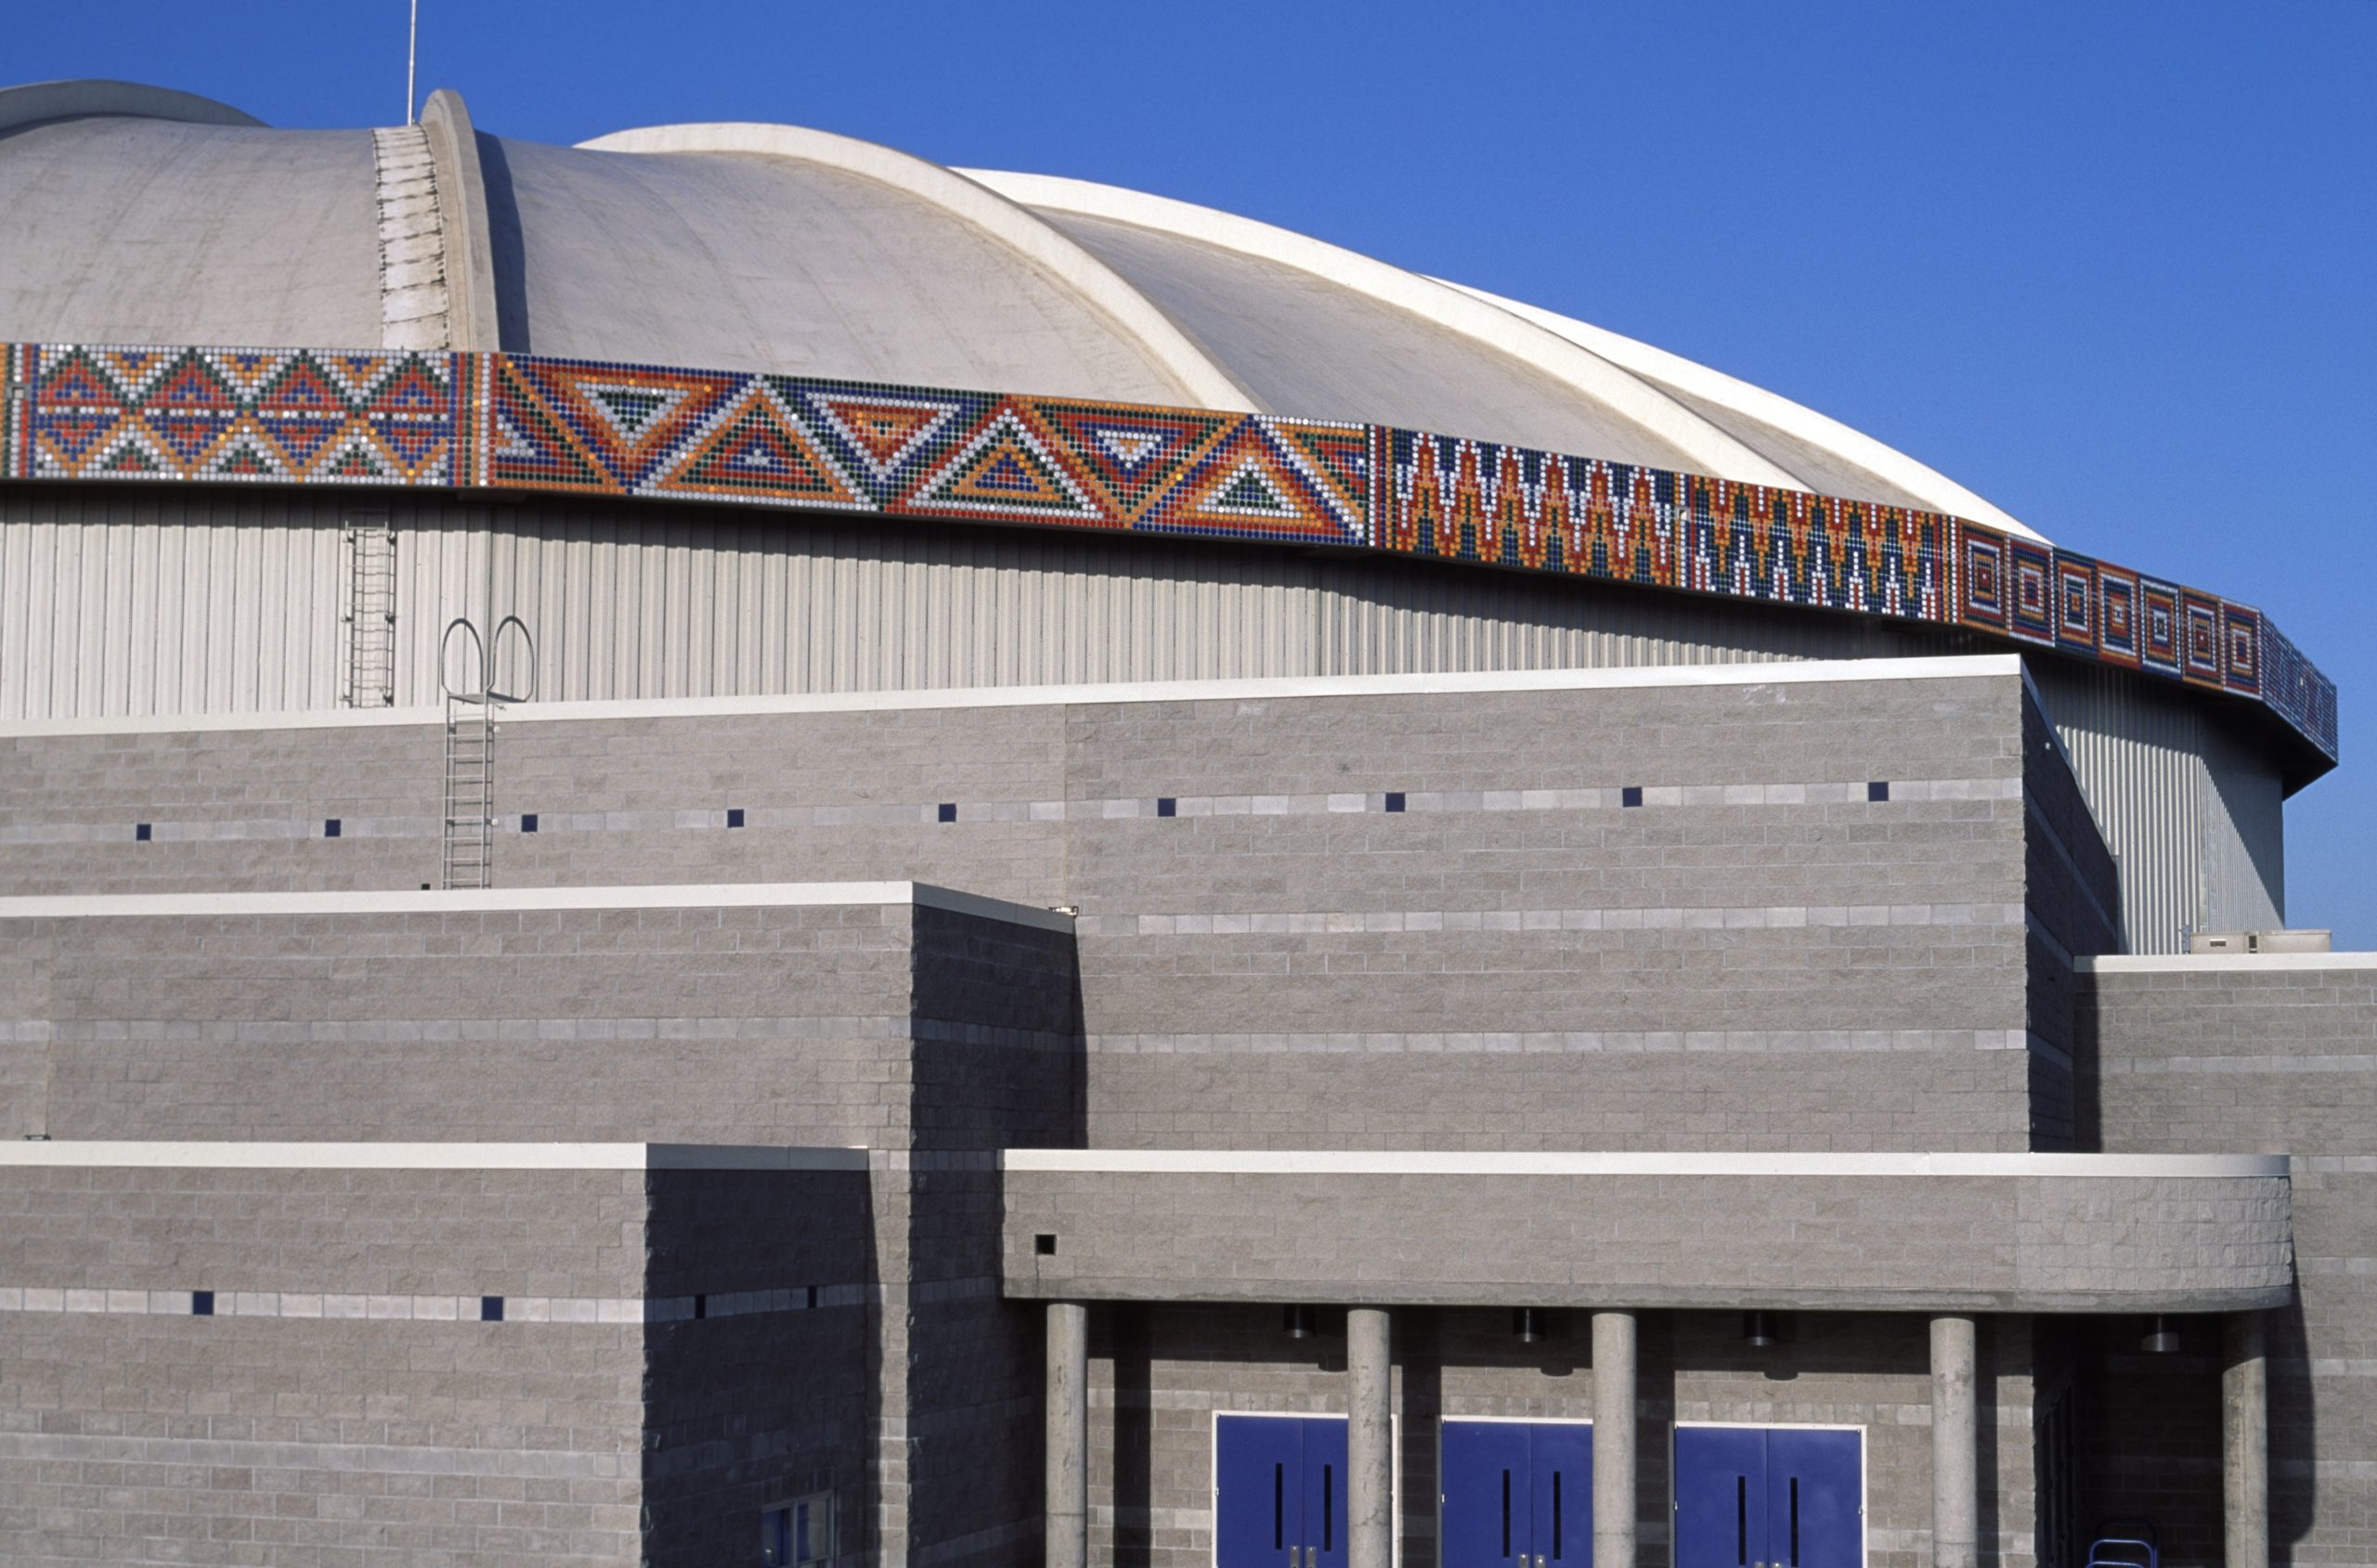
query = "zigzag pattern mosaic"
x=519 y=421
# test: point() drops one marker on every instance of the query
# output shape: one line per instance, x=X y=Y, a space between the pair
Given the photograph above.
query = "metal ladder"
x=467 y=854
x=370 y=613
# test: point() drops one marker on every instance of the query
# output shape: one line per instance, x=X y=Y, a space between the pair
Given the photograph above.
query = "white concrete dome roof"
x=140 y=216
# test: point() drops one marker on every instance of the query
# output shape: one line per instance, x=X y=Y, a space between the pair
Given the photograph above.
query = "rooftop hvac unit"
x=2259 y=941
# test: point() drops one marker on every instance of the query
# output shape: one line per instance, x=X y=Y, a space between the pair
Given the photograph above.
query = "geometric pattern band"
x=458 y=420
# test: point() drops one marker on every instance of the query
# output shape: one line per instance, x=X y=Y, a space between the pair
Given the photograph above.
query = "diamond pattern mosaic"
x=458 y=420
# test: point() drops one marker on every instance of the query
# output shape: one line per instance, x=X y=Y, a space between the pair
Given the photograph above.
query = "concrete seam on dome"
x=96 y=97
x=414 y=311
x=1202 y=380
x=1843 y=441
x=1705 y=445
x=471 y=308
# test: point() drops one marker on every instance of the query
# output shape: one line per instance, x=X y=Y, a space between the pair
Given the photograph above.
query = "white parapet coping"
x=1369 y=1162
x=2222 y=963
x=462 y=900
x=190 y=1156
x=1793 y=672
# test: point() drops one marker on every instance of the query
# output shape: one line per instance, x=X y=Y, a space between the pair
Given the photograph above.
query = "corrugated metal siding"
x=137 y=601
x=2195 y=821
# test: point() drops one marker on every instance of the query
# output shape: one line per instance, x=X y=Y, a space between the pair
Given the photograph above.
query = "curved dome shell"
x=143 y=216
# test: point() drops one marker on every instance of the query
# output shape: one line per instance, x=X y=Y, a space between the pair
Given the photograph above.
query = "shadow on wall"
x=2294 y=1432
x=508 y=247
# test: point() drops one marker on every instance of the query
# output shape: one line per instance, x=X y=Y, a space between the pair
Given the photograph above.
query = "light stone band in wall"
x=1717 y=918
x=1557 y=1042
x=87 y=1299
x=912 y=813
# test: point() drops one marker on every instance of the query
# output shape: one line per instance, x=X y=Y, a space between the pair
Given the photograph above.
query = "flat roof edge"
x=1944 y=666
x=185 y=1155
x=1465 y=1163
x=2221 y=963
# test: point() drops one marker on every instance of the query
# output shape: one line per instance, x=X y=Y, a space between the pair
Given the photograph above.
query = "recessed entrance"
x=1279 y=1491
x=1769 y=1496
x=1516 y=1493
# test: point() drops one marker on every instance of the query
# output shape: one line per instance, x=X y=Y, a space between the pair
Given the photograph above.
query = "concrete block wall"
x=286 y=1430
x=756 y=1025
x=2072 y=907
x=878 y=1024
x=747 y=1409
x=997 y=1065
x=1756 y=957
x=1159 y=1373
x=2276 y=1052
x=1968 y=1241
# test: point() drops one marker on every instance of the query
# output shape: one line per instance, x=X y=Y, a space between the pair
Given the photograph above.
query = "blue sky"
x=2109 y=264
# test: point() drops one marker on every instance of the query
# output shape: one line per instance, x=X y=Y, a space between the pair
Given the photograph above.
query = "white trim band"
x=186 y=1155
x=472 y=901
x=1941 y=666
x=2222 y=963
x=1367 y=1162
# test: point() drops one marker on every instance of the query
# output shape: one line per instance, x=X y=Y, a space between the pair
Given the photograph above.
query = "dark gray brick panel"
x=746 y=1410
x=2232 y=1055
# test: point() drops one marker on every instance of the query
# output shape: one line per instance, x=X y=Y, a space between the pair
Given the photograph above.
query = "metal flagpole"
x=412 y=51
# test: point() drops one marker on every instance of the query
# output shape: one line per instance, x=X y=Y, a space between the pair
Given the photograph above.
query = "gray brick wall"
x=758 y=1025
x=285 y=1439
x=1927 y=1242
x=743 y=1410
x=2072 y=907
x=1756 y=900
x=346 y=1405
x=2272 y=1055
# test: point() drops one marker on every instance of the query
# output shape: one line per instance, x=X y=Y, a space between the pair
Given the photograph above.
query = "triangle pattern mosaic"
x=378 y=417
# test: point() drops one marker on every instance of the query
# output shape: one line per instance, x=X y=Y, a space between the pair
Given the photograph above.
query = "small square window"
x=1877 y=789
x=330 y=826
x=1632 y=794
x=1395 y=800
x=795 y=1533
x=490 y=1309
x=1044 y=1246
x=701 y=1306
x=948 y=811
x=734 y=816
x=202 y=1304
x=140 y=833
x=528 y=821
x=1165 y=806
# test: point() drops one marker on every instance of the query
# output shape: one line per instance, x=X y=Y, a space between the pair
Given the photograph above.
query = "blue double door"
x=1769 y=1497
x=1516 y=1493
x=1280 y=1492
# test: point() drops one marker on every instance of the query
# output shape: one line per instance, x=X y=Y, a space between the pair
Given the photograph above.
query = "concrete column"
x=2244 y=1438
x=1614 y=1523
x=1956 y=1446
x=1068 y=1435
x=1370 y=1441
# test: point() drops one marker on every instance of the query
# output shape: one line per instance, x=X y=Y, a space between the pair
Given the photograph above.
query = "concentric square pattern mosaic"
x=517 y=421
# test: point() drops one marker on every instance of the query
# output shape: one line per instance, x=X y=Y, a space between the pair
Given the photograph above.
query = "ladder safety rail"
x=468 y=848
